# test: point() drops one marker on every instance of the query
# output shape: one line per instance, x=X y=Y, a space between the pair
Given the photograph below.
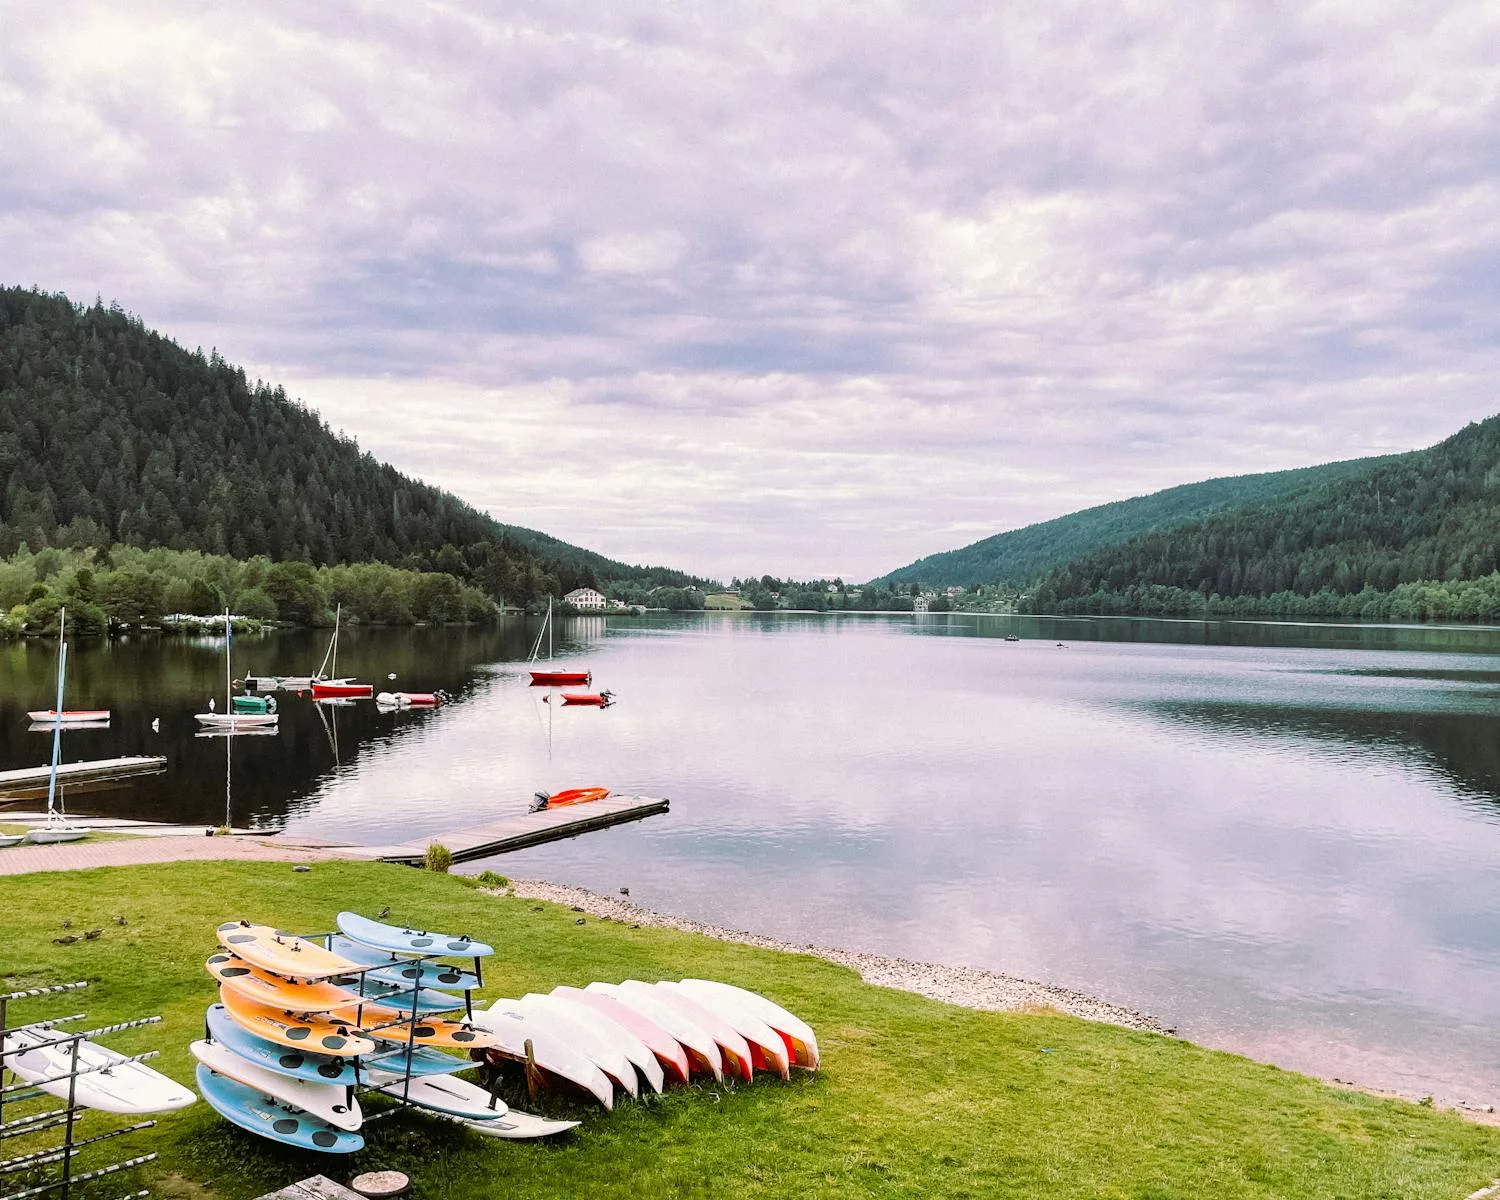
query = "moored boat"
x=352 y=689
x=550 y=676
x=70 y=716
x=409 y=699
x=593 y=699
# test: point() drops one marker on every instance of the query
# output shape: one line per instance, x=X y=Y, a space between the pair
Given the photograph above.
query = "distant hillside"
x=1432 y=515
x=113 y=433
x=1023 y=555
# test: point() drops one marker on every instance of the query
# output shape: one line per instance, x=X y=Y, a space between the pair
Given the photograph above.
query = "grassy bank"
x=916 y=1098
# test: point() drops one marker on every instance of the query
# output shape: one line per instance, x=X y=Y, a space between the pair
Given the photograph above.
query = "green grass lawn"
x=915 y=1098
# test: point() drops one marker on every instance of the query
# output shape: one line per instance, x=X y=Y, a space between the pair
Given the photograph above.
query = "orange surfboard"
x=282 y=953
x=277 y=992
x=391 y=1026
x=303 y=1032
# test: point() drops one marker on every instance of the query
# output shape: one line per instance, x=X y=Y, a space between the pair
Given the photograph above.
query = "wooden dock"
x=76 y=772
x=520 y=830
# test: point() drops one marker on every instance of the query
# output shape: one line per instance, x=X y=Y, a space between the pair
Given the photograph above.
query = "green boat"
x=254 y=704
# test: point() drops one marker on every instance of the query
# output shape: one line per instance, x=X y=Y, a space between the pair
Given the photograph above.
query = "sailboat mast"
x=337 y=613
x=228 y=691
x=549 y=631
x=57 y=712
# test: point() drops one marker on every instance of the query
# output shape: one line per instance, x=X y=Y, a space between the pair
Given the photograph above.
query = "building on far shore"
x=585 y=598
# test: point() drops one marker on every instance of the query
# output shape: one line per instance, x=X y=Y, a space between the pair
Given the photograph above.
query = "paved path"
x=129 y=852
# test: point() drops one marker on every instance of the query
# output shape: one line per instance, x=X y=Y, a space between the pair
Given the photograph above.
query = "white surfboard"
x=125 y=1087
x=329 y=1102
x=804 y=1041
x=442 y=1094
x=695 y=1040
x=760 y=1036
x=600 y=1047
x=516 y=1126
x=513 y=1028
x=639 y=1054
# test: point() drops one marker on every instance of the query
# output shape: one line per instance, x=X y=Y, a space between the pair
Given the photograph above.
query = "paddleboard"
x=797 y=1032
x=388 y=1025
x=422 y=1062
x=397 y=939
x=274 y=990
x=451 y=1097
x=290 y=1126
x=298 y=1064
x=738 y=1059
x=585 y=1038
x=517 y=1126
x=281 y=953
x=403 y=972
x=701 y=1048
x=512 y=1028
x=428 y=1001
x=125 y=1088
x=635 y=1051
x=768 y=1051
x=305 y=1032
x=325 y=1101
x=667 y=1050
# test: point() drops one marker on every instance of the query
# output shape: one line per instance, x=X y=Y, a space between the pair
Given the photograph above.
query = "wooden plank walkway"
x=100 y=768
x=521 y=830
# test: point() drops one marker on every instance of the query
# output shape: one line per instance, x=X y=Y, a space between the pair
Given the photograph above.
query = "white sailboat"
x=58 y=828
x=229 y=719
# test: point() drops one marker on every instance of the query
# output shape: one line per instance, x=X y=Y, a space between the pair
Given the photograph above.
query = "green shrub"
x=438 y=858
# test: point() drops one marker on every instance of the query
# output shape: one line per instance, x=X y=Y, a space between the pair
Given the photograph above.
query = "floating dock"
x=77 y=772
x=521 y=830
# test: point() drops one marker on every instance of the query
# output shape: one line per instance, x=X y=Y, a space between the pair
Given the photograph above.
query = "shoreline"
x=966 y=987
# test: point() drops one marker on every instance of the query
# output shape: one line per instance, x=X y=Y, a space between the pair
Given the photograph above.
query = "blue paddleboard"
x=424 y=1061
x=250 y=1110
x=403 y=974
x=400 y=940
x=299 y=1064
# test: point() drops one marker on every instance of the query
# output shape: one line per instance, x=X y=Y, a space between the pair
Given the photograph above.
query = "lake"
x=1281 y=838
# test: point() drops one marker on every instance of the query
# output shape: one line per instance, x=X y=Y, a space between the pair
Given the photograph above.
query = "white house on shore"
x=585 y=598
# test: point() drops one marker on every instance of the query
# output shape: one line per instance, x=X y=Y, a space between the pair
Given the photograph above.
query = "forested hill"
x=112 y=433
x=1432 y=515
x=1022 y=556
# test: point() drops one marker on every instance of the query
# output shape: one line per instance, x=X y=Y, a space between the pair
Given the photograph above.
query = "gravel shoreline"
x=967 y=987
x=964 y=986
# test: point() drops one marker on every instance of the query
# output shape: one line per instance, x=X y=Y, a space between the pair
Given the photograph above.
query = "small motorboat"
x=253 y=704
x=541 y=800
x=596 y=699
x=71 y=716
x=1011 y=637
x=278 y=683
x=409 y=699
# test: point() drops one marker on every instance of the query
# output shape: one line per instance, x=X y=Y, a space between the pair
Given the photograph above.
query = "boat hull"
x=342 y=689
x=215 y=720
x=77 y=716
x=559 y=678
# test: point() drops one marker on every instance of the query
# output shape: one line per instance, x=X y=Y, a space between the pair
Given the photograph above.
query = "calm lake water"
x=1283 y=839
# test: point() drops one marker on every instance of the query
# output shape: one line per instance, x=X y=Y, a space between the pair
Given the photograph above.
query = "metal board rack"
x=66 y=1117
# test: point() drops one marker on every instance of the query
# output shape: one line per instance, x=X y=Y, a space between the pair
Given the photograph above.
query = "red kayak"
x=326 y=689
x=550 y=678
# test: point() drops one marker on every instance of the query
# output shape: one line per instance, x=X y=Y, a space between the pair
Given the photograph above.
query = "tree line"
x=1399 y=540
x=128 y=587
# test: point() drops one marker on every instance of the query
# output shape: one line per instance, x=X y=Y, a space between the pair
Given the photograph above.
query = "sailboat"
x=333 y=688
x=58 y=828
x=229 y=719
x=550 y=676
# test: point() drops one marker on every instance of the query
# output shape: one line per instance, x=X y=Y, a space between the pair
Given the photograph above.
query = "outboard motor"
x=539 y=801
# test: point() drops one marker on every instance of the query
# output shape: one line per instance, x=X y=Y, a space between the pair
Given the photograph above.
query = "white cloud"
x=797 y=284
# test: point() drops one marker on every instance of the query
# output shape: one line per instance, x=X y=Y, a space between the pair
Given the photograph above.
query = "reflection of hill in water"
x=1464 y=747
x=273 y=777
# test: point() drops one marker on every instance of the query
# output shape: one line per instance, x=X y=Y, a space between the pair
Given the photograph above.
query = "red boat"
x=550 y=678
x=326 y=689
x=597 y=699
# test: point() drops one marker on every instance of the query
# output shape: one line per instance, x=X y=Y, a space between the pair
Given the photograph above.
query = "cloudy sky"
x=807 y=288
